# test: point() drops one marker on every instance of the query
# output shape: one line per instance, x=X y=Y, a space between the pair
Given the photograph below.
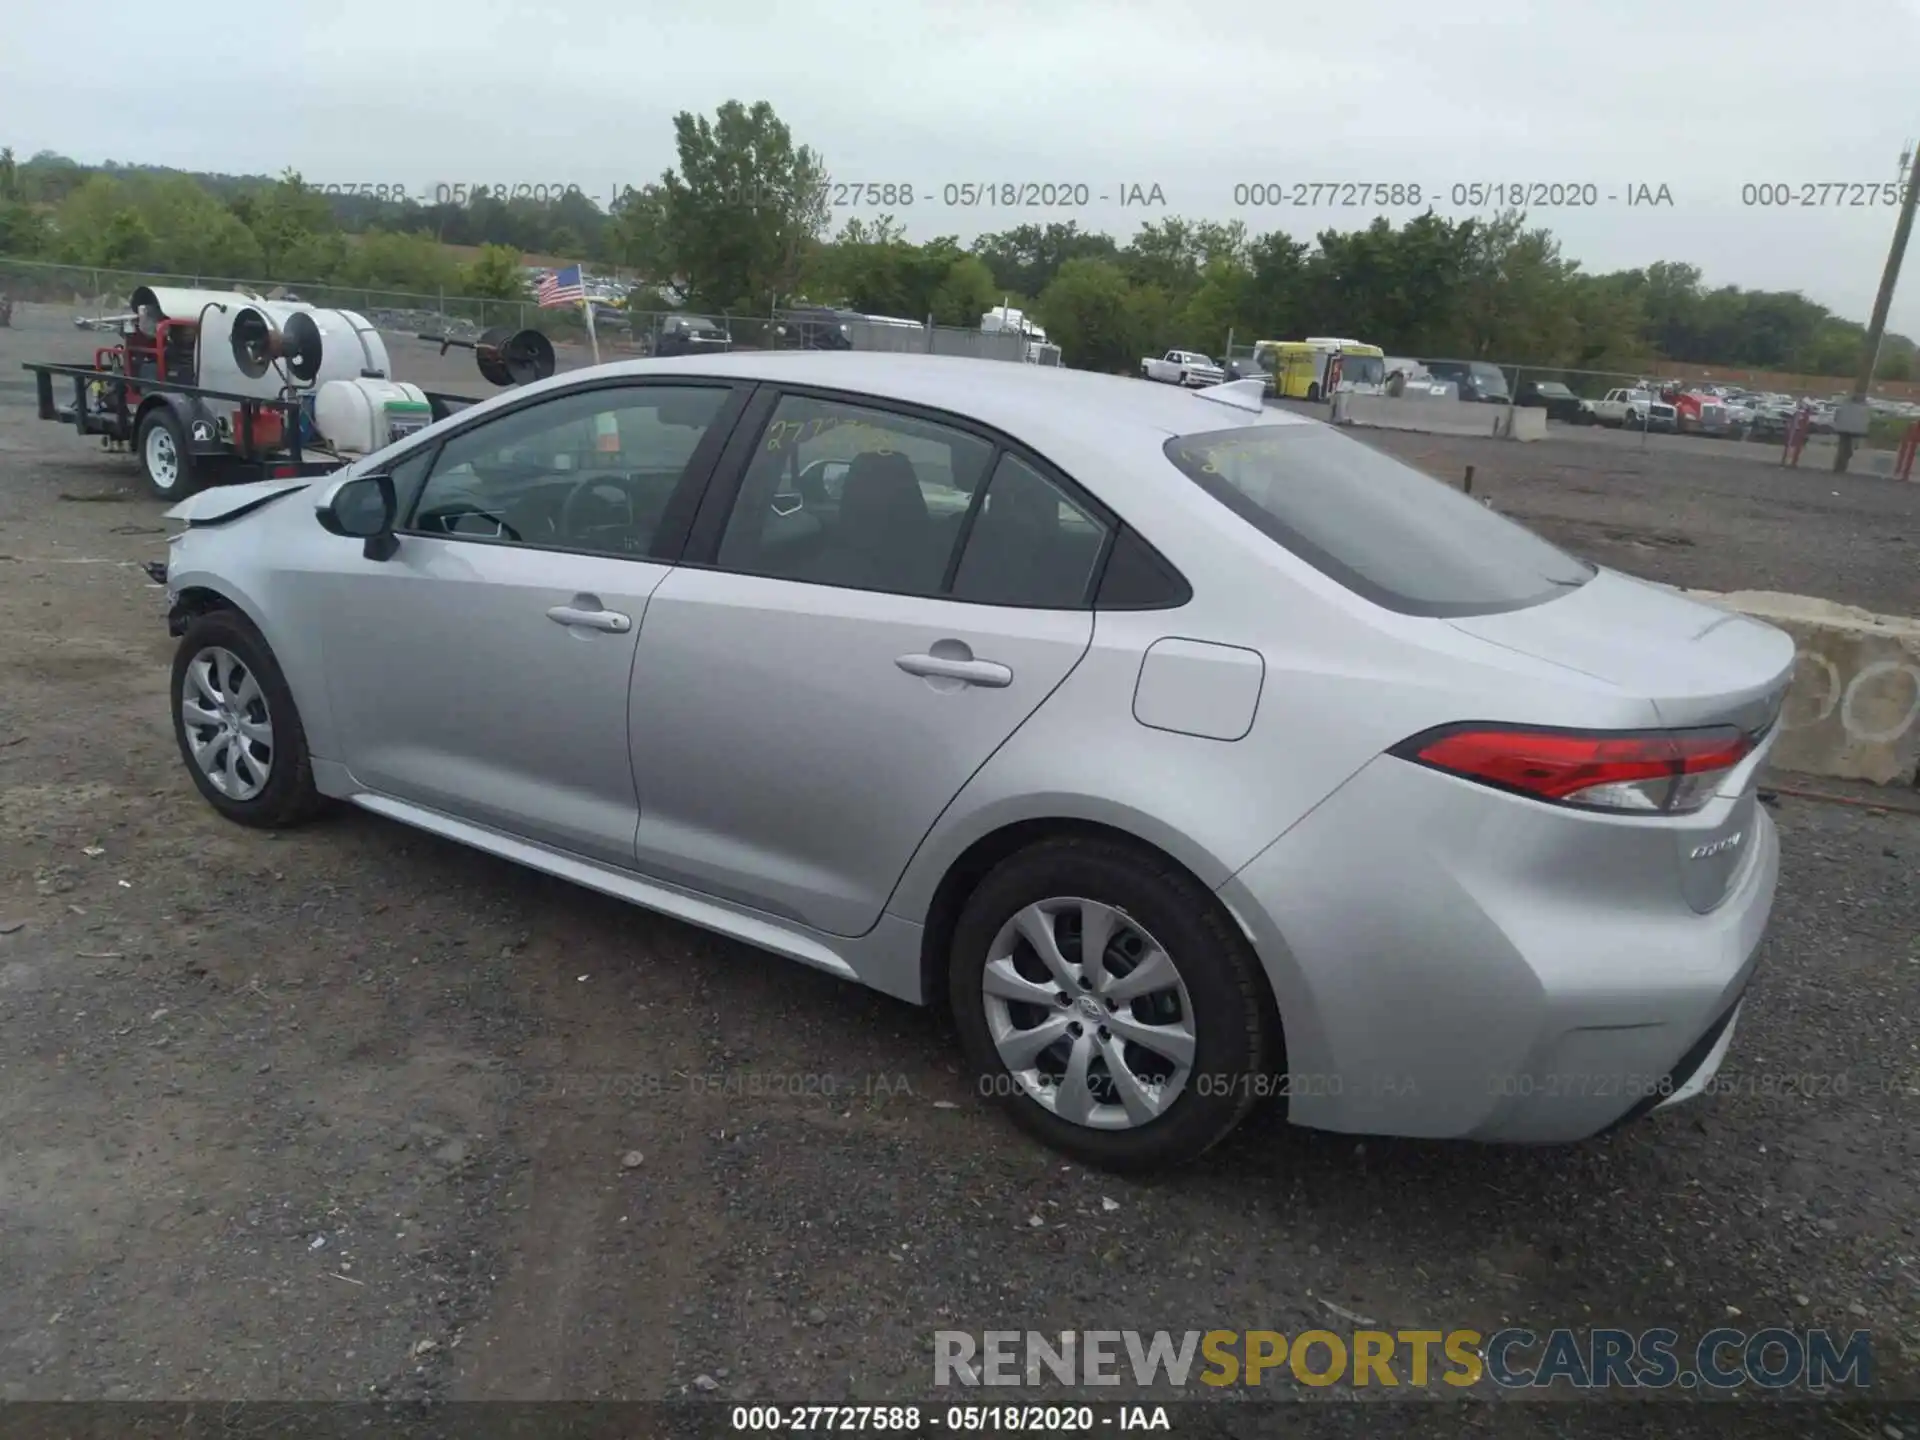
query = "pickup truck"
x=1632 y=409
x=1183 y=367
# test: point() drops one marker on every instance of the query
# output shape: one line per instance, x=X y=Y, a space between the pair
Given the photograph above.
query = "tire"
x=1313 y=393
x=288 y=795
x=165 y=461
x=1219 y=995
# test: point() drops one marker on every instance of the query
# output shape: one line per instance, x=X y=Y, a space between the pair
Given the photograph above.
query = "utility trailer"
x=215 y=387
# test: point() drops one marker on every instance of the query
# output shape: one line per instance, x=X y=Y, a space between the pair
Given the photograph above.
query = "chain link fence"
x=1652 y=400
x=669 y=332
x=96 y=293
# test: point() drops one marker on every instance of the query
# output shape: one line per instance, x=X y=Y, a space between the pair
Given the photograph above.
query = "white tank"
x=357 y=417
x=350 y=346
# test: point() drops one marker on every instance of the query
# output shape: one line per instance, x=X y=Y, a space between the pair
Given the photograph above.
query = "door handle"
x=973 y=672
x=609 y=620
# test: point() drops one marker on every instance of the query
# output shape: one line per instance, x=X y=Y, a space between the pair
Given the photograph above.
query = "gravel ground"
x=352 y=1113
x=1683 y=512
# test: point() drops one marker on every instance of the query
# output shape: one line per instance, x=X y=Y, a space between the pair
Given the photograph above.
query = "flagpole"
x=592 y=335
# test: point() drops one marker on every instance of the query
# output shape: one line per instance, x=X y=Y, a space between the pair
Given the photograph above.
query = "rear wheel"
x=237 y=727
x=165 y=459
x=1108 y=1004
x=1313 y=392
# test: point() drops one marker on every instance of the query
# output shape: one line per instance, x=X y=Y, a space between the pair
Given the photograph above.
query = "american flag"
x=563 y=287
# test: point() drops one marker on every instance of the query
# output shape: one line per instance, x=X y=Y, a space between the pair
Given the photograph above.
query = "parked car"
x=1772 y=416
x=1410 y=379
x=1472 y=379
x=915 y=705
x=1183 y=367
x=817 y=328
x=1556 y=399
x=691 y=335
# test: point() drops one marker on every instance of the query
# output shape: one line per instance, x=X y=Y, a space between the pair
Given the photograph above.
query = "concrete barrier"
x=1528 y=422
x=1430 y=417
x=1853 y=711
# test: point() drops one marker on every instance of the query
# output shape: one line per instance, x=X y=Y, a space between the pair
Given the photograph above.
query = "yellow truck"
x=1314 y=368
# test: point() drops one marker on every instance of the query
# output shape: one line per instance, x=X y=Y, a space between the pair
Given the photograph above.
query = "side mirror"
x=364 y=508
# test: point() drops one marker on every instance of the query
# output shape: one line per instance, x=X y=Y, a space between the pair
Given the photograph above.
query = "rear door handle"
x=973 y=672
x=609 y=620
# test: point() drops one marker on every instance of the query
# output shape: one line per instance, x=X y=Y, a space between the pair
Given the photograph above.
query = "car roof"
x=1031 y=402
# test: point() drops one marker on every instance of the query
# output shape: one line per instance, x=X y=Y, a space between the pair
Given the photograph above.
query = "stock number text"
x=1824 y=194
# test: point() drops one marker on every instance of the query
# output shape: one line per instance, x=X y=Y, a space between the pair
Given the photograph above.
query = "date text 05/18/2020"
x=1460 y=195
x=982 y=194
x=979 y=194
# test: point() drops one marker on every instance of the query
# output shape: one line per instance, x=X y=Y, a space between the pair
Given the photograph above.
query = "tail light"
x=1663 y=772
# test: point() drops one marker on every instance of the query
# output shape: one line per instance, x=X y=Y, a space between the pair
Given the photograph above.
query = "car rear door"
x=814 y=687
x=483 y=669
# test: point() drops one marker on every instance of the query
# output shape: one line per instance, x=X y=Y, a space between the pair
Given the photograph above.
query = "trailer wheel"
x=164 y=457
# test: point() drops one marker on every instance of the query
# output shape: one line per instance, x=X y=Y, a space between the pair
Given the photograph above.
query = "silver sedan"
x=1187 y=750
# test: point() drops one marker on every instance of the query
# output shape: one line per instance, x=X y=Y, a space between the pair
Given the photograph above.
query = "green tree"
x=416 y=264
x=1025 y=259
x=1609 y=322
x=314 y=258
x=638 y=236
x=9 y=177
x=1276 y=288
x=48 y=178
x=1216 y=305
x=1513 y=293
x=744 y=208
x=284 y=217
x=22 y=230
x=494 y=274
x=965 y=293
x=194 y=234
x=1097 y=317
x=125 y=243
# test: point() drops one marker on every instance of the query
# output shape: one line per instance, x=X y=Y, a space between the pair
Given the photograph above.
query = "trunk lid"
x=1697 y=665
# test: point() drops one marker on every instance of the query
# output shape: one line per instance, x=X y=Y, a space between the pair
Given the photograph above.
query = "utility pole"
x=1877 y=326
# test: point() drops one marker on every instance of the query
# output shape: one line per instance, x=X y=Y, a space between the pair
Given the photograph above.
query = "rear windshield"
x=1386 y=531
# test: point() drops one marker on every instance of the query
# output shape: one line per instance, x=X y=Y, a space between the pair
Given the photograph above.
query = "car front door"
x=815 y=683
x=483 y=669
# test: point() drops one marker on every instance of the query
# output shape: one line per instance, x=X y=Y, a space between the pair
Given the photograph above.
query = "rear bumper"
x=1453 y=962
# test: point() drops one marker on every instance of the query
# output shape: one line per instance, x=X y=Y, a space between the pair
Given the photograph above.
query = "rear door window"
x=1386 y=531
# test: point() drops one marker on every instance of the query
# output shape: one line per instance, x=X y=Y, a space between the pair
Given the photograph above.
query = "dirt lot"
x=345 y=1113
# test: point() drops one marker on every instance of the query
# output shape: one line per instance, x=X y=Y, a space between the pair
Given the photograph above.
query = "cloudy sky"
x=1704 y=98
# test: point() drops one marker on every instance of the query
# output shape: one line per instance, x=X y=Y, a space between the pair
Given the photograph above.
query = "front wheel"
x=1313 y=393
x=1106 y=1002
x=237 y=727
